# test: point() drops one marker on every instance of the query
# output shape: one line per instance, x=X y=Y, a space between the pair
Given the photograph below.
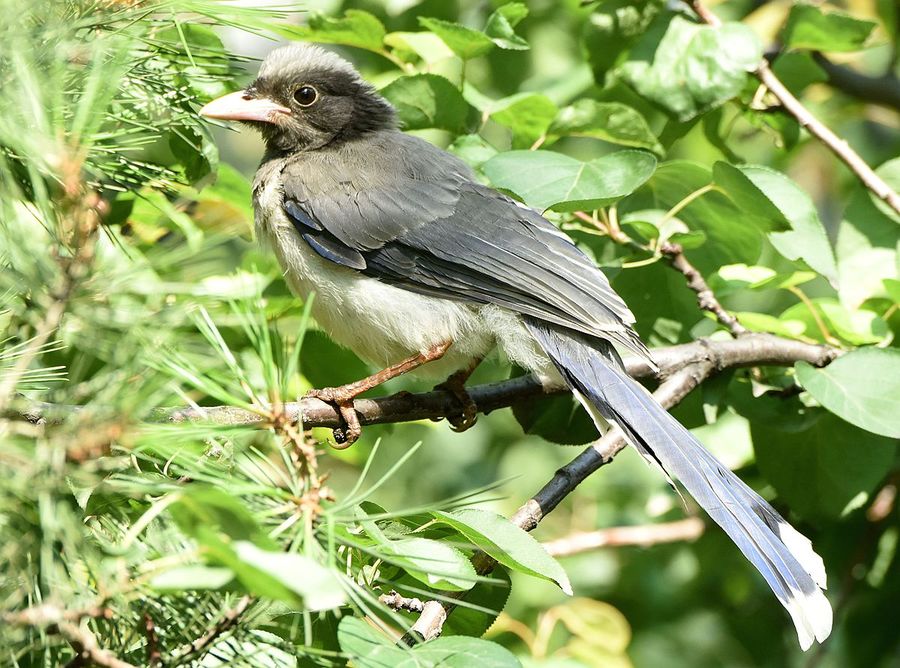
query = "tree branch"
x=689 y=528
x=563 y=482
x=754 y=349
x=814 y=126
x=706 y=299
x=883 y=90
x=225 y=623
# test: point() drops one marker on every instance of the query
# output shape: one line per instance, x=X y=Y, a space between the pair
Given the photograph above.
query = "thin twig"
x=224 y=624
x=688 y=529
x=88 y=651
x=814 y=126
x=154 y=656
x=706 y=299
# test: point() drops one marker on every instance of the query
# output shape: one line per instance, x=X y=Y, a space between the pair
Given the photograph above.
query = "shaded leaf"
x=808 y=27
x=355 y=28
x=428 y=101
x=527 y=115
x=437 y=564
x=688 y=68
x=862 y=387
x=464 y=42
x=545 y=179
x=823 y=467
x=614 y=122
x=501 y=25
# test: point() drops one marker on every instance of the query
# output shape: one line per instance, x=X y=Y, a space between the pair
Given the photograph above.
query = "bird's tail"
x=785 y=557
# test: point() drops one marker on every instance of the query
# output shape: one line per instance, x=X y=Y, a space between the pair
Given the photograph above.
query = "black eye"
x=306 y=95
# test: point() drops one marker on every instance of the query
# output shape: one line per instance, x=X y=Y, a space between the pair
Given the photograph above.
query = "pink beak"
x=241 y=107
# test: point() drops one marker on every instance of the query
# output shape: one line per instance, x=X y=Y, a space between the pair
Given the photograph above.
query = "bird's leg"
x=343 y=396
x=456 y=384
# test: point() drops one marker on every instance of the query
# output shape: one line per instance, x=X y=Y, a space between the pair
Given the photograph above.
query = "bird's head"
x=305 y=98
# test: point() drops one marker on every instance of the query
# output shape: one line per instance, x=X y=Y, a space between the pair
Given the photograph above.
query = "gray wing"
x=457 y=239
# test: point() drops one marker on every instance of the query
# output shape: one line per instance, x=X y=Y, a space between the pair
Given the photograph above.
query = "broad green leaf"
x=890 y=172
x=808 y=27
x=463 y=652
x=821 y=466
x=195 y=576
x=688 y=68
x=612 y=28
x=866 y=249
x=504 y=541
x=729 y=239
x=368 y=648
x=558 y=419
x=465 y=42
x=195 y=150
x=862 y=387
x=766 y=194
x=428 y=101
x=763 y=322
x=797 y=70
x=527 y=115
x=355 y=28
x=501 y=26
x=425 y=45
x=545 y=179
x=317 y=586
x=437 y=564
x=858 y=327
x=486 y=601
x=614 y=122
x=473 y=150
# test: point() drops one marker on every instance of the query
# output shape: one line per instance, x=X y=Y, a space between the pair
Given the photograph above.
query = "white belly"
x=384 y=324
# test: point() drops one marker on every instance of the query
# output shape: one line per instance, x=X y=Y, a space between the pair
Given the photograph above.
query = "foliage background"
x=172 y=303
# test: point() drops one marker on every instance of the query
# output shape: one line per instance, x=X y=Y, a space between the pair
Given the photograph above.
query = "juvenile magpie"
x=414 y=262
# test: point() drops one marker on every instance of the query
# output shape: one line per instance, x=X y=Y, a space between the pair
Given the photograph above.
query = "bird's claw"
x=347 y=434
x=469 y=415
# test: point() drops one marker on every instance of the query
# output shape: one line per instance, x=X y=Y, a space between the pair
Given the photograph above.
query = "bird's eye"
x=306 y=95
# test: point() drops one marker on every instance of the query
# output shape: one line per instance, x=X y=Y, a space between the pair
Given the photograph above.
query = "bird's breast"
x=381 y=323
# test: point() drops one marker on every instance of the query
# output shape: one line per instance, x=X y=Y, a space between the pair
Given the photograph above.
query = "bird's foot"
x=342 y=399
x=455 y=384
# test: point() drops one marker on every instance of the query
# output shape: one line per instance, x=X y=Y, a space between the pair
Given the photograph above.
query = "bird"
x=413 y=263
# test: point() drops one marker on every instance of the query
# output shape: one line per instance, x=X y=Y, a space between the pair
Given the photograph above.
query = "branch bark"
x=749 y=350
x=814 y=126
x=883 y=90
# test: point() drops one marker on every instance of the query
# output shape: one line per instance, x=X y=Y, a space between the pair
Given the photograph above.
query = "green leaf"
x=370 y=649
x=504 y=541
x=862 y=387
x=195 y=150
x=614 y=122
x=858 y=327
x=463 y=652
x=821 y=466
x=437 y=564
x=688 y=68
x=428 y=101
x=501 y=26
x=612 y=28
x=729 y=239
x=867 y=250
x=486 y=601
x=425 y=45
x=473 y=149
x=527 y=115
x=890 y=172
x=317 y=586
x=545 y=179
x=808 y=27
x=188 y=578
x=465 y=42
x=558 y=419
x=766 y=194
x=355 y=28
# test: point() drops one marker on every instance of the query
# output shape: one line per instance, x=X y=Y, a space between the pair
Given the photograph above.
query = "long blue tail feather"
x=783 y=556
